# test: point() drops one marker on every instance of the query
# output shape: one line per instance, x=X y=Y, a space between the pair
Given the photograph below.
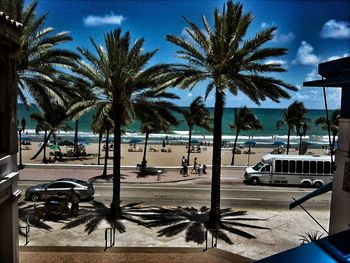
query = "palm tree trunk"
x=117 y=113
x=189 y=146
x=42 y=146
x=288 y=140
x=214 y=215
x=106 y=155
x=45 y=141
x=76 y=147
x=144 y=162
x=234 y=149
x=99 y=147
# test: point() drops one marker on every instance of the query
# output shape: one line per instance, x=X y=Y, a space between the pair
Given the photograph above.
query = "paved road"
x=237 y=196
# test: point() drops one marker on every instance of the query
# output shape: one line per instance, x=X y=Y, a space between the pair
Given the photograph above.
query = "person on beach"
x=185 y=169
x=195 y=166
x=74 y=198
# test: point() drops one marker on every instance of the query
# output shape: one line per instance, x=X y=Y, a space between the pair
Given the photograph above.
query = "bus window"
x=285 y=166
x=278 y=167
x=306 y=167
x=313 y=167
x=258 y=166
x=320 y=167
x=299 y=167
x=266 y=169
x=327 y=167
x=292 y=166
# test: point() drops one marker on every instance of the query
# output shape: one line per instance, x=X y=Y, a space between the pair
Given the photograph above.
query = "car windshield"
x=258 y=166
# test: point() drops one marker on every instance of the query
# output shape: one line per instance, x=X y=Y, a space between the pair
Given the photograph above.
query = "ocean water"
x=268 y=118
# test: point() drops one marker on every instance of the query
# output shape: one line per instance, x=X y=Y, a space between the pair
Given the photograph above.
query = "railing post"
x=27 y=228
x=111 y=232
x=214 y=238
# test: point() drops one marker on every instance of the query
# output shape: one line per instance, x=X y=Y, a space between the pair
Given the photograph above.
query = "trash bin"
x=200 y=170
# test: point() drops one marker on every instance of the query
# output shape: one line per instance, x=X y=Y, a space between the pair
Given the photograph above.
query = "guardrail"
x=111 y=238
x=214 y=238
x=27 y=230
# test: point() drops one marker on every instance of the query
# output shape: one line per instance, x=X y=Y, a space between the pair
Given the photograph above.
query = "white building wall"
x=340 y=205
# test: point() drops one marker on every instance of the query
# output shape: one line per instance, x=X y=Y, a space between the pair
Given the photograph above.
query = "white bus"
x=305 y=170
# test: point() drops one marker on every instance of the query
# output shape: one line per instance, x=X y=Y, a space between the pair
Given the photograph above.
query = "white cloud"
x=336 y=57
x=336 y=29
x=264 y=25
x=305 y=55
x=313 y=75
x=110 y=19
x=301 y=97
x=277 y=37
x=189 y=95
x=283 y=38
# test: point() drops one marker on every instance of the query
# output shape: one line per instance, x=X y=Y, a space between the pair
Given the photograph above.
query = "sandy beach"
x=156 y=158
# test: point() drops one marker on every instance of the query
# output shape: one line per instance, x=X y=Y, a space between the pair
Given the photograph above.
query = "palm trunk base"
x=116 y=211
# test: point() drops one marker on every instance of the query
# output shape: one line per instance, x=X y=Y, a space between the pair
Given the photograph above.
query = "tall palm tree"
x=51 y=120
x=155 y=117
x=230 y=63
x=245 y=120
x=333 y=125
x=292 y=116
x=38 y=58
x=118 y=74
x=196 y=114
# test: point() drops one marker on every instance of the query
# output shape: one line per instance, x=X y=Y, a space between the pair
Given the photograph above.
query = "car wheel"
x=65 y=213
x=306 y=184
x=318 y=184
x=34 y=197
x=255 y=181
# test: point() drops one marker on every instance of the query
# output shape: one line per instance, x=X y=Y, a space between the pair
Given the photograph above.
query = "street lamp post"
x=20 y=130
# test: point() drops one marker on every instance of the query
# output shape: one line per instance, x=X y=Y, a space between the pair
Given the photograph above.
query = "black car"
x=84 y=189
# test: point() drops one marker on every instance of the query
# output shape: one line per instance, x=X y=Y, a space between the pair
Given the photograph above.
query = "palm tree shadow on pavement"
x=92 y=217
x=25 y=210
x=108 y=177
x=195 y=223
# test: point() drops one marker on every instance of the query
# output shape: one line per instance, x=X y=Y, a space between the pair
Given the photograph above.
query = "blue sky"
x=313 y=31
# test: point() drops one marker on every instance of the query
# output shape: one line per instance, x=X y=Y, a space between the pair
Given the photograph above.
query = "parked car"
x=84 y=189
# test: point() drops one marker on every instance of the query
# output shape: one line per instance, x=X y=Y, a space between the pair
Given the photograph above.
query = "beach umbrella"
x=133 y=141
x=26 y=139
x=66 y=143
x=250 y=143
x=279 y=143
x=55 y=148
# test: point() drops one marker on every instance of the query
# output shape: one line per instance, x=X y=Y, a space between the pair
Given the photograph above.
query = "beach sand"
x=159 y=158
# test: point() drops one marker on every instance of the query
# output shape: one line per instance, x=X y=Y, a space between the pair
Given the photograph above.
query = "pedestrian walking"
x=183 y=162
x=195 y=166
x=74 y=198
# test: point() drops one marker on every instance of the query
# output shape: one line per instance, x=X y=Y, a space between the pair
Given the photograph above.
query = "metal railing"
x=27 y=230
x=214 y=238
x=109 y=235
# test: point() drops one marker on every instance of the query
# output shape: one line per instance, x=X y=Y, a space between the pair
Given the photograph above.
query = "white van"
x=305 y=170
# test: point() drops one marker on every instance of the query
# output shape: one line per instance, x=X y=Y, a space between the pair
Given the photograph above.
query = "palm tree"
x=196 y=114
x=158 y=118
x=38 y=57
x=118 y=74
x=245 y=120
x=52 y=119
x=221 y=56
x=333 y=125
x=291 y=116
